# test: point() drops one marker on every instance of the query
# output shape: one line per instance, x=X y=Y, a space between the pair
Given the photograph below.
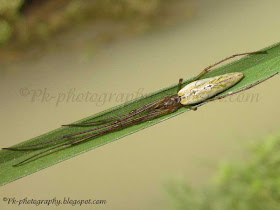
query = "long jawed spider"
x=195 y=92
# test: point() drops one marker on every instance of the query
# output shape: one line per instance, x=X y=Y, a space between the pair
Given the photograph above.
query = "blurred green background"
x=123 y=47
x=250 y=184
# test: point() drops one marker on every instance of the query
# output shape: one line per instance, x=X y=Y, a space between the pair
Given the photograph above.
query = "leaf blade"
x=254 y=67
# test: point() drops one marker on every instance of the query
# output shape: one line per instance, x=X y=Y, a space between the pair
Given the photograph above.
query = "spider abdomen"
x=200 y=90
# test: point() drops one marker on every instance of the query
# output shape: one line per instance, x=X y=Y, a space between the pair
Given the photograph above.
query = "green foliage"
x=8 y=12
x=5 y=31
x=254 y=67
x=9 y=8
x=253 y=184
x=113 y=9
x=57 y=15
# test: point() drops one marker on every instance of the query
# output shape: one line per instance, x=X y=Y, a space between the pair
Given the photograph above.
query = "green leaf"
x=254 y=67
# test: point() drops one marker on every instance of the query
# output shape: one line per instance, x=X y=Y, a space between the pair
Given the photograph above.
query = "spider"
x=193 y=93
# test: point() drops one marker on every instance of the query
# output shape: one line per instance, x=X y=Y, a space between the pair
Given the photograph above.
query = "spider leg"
x=207 y=69
x=28 y=147
x=179 y=87
x=40 y=153
x=120 y=117
x=237 y=91
x=61 y=146
x=114 y=127
x=147 y=107
x=107 y=119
